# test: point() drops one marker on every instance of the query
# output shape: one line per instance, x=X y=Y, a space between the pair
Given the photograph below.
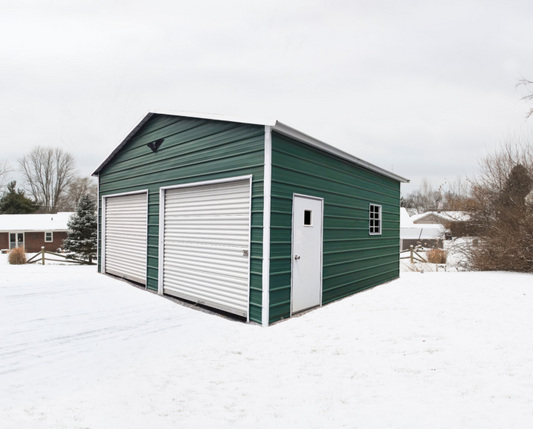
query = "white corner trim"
x=267 y=188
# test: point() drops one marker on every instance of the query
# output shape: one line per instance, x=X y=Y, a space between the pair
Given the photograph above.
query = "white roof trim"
x=216 y=117
x=276 y=127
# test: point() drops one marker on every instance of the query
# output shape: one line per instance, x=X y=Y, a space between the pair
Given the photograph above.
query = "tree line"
x=50 y=183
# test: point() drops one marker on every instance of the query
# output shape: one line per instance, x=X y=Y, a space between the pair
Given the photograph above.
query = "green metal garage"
x=251 y=217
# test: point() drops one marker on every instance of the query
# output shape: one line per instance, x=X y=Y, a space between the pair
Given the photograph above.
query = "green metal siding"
x=194 y=150
x=353 y=260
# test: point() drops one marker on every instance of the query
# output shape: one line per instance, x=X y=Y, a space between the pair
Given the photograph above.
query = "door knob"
x=296 y=257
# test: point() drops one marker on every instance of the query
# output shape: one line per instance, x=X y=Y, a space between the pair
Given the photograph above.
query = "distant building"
x=442 y=218
x=457 y=223
x=33 y=231
x=427 y=235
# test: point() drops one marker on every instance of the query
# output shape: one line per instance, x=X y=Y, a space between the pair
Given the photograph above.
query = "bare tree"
x=424 y=199
x=78 y=187
x=5 y=169
x=528 y=85
x=456 y=197
x=47 y=173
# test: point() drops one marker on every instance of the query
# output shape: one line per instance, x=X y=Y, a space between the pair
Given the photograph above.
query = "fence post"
x=42 y=253
x=412 y=261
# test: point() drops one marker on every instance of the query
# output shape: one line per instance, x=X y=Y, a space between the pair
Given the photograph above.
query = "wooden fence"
x=41 y=256
x=413 y=254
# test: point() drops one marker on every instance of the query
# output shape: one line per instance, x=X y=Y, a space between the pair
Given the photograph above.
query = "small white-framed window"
x=374 y=215
x=48 y=237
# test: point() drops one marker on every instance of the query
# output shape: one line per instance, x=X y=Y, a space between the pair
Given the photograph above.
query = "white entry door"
x=306 y=252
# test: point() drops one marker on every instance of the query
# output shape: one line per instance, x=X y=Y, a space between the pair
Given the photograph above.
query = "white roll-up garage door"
x=125 y=236
x=206 y=244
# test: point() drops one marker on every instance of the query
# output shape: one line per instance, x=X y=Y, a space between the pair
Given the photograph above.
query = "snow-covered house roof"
x=445 y=216
x=34 y=222
x=405 y=219
x=412 y=231
x=422 y=232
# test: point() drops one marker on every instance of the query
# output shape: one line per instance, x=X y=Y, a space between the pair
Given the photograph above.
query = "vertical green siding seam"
x=161 y=241
x=98 y=241
x=267 y=186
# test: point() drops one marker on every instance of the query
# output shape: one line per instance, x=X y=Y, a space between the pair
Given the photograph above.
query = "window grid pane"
x=375 y=219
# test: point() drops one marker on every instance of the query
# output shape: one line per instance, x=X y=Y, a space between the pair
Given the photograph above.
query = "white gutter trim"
x=298 y=135
x=267 y=188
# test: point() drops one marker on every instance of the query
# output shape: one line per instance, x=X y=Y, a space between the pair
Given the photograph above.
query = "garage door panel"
x=203 y=290
x=133 y=258
x=191 y=193
x=206 y=243
x=211 y=282
x=230 y=270
x=236 y=260
x=209 y=209
x=217 y=221
x=132 y=237
x=203 y=285
x=125 y=236
x=227 y=240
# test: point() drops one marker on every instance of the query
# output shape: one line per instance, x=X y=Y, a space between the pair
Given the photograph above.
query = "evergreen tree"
x=81 y=238
x=517 y=187
x=15 y=202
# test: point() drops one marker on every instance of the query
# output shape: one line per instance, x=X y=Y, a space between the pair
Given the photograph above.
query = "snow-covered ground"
x=434 y=350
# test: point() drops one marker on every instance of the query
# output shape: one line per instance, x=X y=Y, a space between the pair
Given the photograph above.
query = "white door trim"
x=161 y=253
x=102 y=241
x=321 y=245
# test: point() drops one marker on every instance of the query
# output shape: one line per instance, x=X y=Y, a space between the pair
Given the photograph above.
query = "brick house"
x=33 y=231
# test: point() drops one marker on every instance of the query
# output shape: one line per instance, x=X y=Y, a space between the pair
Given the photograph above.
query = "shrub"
x=436 y=256
x=17 y=256
x=500 y=209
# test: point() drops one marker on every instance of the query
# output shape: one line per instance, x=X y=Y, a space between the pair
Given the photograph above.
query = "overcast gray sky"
x=422 y=88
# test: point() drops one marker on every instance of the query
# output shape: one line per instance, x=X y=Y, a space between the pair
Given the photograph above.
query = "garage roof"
x=275 y=126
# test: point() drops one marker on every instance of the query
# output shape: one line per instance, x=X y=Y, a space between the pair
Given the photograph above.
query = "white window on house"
x=16 y=239
x=48 y=237
x=374 y=219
